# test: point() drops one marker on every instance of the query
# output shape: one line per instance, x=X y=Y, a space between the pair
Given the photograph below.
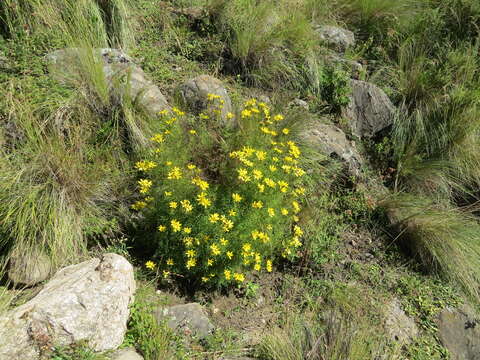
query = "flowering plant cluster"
x=217 y=229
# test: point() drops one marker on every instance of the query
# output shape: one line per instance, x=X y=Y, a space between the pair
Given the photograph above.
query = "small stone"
x=336 y=38
x=125 y=354
x=299 y=103
x=398 y=325
x=188 y=318
x=332 y=141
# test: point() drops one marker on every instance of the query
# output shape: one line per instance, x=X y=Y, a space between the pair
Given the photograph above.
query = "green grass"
x=444 y=239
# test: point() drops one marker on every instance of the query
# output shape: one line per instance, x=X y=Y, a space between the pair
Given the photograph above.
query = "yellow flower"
x=169 y=262
x=145 y=185
x=204 y=279
x=228 y=274
x=272 y=168
x=215 y=250
x=297 y=230
x=261 y=155
x=175 y=174
x=230 y=115
x=209 y=262
x=186 y=205
x=223 y=241
x=270 y=182
x=232 y=213
x=236 y=197
x=178 y=111
x=162 y=228
x=166 y=274
x=150 y=265
x=285 y=131
x=158 y=138
x=269 y=266
x=176 y=225
x=202 y=184
x=168 y=163
x=261 y=188
x=239 y=277
x=191 y=263
x=168 y=193
x=191 y=166
x=257 y=267
x=246 y=113
x=187 y=230
x=190 y=253
x=172 y=204
x=229 y=255
x=243 y=175
x=138 y=205
x=145 y=165
x=257 y=204
x=284 y=211
x=257 y=174
x=213 y=218
x=295 y=218
x=271 y=212
x=278 y=117
x=247 y=247
x=193 y=132
x=296 y=207
x=203 y=200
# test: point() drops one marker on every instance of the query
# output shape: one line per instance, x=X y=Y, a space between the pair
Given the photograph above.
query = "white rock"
x=84 y=302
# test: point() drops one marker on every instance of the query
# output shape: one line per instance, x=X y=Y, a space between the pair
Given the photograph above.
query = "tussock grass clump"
x=98 y=23
x=445 y=240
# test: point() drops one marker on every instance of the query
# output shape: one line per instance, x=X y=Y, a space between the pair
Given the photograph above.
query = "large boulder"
x=29 y=268
x=84 y=302
x=369 y=110
x=399 y=327
x=123 y=77
x=335 y=37
x=459 y=332
x=332 y=141
x=189 y=319
x=194 y=95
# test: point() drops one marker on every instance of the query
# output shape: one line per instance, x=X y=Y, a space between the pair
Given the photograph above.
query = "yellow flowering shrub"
x=217 y=205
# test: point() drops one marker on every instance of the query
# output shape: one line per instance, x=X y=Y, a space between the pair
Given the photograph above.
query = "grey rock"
x=29 y=268
x=193 y=94
x=84 y=302
x=299 y=103
x=369 y=110
x=188 y=319
x=125 y=354
x=122 y=76
x=335 y=37
x=332 y=141
x=398 y=325
x=459 y=332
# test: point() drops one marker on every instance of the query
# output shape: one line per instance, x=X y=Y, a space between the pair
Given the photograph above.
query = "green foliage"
x=77 y=352
x=217 y=208
x=154 y=341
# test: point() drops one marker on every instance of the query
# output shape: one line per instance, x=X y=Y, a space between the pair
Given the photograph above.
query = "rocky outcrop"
x=459 y=332
x=188 y=319
x=84 y=302
x=29 y=268
x=399 y=327
x=123 y=77
x=336 y=38
x=194 y=95
x=332 y=141
x=369 y=110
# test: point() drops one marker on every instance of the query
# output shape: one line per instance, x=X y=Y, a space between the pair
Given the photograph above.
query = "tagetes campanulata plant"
x=216 y=232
